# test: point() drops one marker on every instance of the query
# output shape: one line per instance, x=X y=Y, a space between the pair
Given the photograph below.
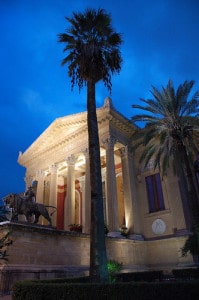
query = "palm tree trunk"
x=192 y=243
x=98 y=259
x=192 y=190
x=183 y=188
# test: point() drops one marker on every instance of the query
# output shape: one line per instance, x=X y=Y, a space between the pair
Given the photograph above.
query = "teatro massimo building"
x=149 y=206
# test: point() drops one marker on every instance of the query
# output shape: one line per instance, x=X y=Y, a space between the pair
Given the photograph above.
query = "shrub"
x=28 y=290
x=139 y=276
x=186 y=273
x=113 y=267
x=192 y=243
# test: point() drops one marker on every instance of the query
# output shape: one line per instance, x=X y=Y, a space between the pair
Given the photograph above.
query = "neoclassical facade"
x=57 y=165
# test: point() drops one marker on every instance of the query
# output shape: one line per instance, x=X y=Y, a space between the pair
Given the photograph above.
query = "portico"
x=58 y=164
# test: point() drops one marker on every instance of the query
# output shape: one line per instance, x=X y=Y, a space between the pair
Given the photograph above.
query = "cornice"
x=69 y=131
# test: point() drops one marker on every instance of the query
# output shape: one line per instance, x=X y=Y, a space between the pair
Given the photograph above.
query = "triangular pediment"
x=64 y=131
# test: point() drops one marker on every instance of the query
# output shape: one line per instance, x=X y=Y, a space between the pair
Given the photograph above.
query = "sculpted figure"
x=30 y=195
x=26 y=206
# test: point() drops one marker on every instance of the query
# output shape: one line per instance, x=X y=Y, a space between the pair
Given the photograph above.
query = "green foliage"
x=113 y=267
x=92 y=48
x=172 y=127
x=192 y=243
x=139 y=276
x=187 y=274
x=121 y=291
x=82 y=279
x=75 y=227
x=124 y=231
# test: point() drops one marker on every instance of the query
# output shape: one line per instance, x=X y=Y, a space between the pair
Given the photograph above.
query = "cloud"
x=34 y=103
x=32 y=100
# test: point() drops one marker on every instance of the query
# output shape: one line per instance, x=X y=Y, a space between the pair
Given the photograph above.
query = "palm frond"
x=171 y=124
x=93 y=44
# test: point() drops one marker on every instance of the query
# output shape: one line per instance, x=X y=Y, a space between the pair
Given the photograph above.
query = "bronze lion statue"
x=23 y=206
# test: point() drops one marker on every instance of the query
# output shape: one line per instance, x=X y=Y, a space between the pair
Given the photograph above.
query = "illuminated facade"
x=150 y=207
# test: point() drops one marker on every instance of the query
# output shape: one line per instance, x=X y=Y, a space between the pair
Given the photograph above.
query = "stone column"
x=53 y=189
x=86 y=193
x=69 y=208
x=40 y=186
x=103 y=172
x=111 y=188
x=28 y=181
x=130 y=205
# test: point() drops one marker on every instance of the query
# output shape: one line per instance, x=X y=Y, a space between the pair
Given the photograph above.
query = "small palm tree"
x=93 y=54
x=171 y=133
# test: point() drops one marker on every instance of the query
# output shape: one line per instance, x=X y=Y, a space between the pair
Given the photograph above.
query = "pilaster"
x=130 y=205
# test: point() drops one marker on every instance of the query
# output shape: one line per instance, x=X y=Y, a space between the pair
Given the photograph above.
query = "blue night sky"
x=161 y=42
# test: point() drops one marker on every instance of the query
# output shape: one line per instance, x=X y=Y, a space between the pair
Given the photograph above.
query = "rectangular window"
x=155 y=194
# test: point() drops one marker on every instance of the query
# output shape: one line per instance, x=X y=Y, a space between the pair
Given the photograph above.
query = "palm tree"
x=93 y=54
x=171 y=133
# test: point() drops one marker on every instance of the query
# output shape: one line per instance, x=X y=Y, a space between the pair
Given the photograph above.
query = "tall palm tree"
x=93 y=54
x=171 y=133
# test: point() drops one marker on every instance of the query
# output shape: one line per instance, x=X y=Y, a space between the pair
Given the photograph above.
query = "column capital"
x=71 y=160
x=123 y=151
x=28 y=179
x=53 y=168
x=109 y=142
x=85 y=152
x=40 y=174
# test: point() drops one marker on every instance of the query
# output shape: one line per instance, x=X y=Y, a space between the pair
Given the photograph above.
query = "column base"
x=135 y=236
x=115 y=234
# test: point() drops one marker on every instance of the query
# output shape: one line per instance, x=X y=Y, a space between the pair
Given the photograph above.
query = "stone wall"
x=39 y=252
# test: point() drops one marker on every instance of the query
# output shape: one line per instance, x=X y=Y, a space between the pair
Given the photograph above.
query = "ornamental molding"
x=69 y=135
x=109 y=142
x=71 y=160
x=40 y=174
